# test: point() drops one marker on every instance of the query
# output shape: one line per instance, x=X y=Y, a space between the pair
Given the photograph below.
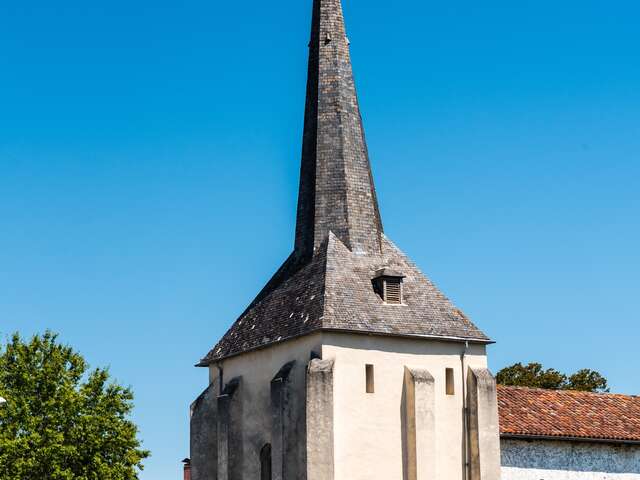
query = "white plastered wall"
x=368 y=427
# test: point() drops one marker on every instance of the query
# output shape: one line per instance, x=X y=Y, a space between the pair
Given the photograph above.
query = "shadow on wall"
x=403 y=428
x=571 y=456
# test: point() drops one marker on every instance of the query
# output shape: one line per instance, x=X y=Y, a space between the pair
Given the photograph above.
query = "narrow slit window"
x=370 y=378
x=265 y=462
x=451 y=389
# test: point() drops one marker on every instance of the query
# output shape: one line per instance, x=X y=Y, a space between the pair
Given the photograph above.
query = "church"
x=350 y=364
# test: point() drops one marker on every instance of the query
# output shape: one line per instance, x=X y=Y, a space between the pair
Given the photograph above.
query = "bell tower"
x=350 y=364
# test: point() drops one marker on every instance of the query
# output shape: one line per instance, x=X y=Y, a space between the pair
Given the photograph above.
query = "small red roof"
x=568 y=414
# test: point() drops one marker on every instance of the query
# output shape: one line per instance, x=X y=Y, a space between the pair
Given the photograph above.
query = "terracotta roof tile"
x=568 y=414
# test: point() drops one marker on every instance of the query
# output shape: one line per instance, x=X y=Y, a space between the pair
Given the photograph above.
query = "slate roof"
x=534 y=413
x=326 y=283
x=334 y=292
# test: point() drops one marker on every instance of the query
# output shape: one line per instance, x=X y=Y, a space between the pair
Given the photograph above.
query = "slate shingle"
x=336 y=185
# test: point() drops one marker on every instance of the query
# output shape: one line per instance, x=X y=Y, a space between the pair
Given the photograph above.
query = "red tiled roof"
x=568 y=414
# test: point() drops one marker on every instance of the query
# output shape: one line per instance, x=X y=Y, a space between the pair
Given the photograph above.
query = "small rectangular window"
x=451 y=389
x=370 y=380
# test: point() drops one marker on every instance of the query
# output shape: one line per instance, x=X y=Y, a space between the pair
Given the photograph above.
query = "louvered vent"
x=388 y=285
x=393 y=290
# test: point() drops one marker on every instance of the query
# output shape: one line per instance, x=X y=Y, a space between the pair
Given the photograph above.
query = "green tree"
x=62 y=421
x=588 y=381
x=534 y=375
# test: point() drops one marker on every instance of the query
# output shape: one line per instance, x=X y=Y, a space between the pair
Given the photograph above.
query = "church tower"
x=350 y=364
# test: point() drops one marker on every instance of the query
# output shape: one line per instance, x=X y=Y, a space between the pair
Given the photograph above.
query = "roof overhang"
x=477 y=341
x=388 y=273
x=563 y=438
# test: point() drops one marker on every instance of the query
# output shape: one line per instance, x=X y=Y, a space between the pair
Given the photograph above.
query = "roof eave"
x=568 y=438
x=478 y=341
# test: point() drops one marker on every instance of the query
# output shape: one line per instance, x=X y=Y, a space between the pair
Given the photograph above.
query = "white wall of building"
x=368 y=427
x=560 y=460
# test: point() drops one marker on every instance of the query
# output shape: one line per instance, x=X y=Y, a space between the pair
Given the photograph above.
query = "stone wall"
x=560 y=460
x=272 y=405
x=204 y=435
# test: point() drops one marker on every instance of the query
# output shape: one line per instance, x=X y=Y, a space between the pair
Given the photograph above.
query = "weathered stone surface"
x=484 y=436
x=420 y=425
x=320 y=456
x=204 y=435
x=230 y=441
x=284 y=439
x=563 y=460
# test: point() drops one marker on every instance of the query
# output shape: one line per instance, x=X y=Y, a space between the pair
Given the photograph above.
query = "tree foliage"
x=534 y=375
x=62 y=421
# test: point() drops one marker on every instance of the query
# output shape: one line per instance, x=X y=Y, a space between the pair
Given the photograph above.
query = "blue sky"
x=149 y=156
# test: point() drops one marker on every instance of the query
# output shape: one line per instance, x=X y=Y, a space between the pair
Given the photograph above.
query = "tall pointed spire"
x=336 y=186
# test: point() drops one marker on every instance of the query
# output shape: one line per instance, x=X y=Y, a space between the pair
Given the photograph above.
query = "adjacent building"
x=561 y=435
